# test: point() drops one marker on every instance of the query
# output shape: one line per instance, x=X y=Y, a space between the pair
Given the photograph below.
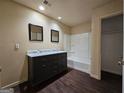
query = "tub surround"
x=80 y=54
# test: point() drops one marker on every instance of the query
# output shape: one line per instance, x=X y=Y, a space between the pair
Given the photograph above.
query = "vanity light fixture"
x=41 y=7
x=59 y=18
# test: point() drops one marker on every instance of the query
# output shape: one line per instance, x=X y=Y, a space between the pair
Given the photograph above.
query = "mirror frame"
x=52 y=36
x=29 y=26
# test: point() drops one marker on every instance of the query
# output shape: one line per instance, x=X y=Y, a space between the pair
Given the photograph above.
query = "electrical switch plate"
x=17 y=45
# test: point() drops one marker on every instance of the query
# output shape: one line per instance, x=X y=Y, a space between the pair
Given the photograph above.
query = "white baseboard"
x=95 y=76
x=112 y=71
x=12 y=84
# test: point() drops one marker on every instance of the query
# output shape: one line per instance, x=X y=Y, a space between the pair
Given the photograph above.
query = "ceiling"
x=73 y=12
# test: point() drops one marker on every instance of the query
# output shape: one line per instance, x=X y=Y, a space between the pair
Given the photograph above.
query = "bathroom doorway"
x=112 y=49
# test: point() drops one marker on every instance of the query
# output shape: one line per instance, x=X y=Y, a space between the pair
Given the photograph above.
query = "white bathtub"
x=82 y=65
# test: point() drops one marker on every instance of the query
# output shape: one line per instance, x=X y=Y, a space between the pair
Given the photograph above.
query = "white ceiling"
x=73 y=12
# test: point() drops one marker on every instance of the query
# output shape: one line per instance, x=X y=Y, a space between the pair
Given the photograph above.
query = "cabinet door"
x=63 y=62
x=41 y=70
x=54 y=61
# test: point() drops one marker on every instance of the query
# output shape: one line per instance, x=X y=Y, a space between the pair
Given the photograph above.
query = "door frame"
x=95 y=71
x=103 y=17
x=109 y=16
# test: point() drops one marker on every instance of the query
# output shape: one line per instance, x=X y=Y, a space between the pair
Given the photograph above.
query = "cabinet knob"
x=55 y=71
x=43 y=65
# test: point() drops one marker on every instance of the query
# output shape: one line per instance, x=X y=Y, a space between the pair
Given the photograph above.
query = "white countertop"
x=36 y=53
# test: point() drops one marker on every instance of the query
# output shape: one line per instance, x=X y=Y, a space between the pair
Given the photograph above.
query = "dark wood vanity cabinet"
x=42 y=68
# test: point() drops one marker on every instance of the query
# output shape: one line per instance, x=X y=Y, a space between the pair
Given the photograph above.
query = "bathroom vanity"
x=43 y=65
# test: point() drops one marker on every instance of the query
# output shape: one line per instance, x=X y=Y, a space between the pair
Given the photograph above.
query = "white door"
x=123 y=58
x=123 y=65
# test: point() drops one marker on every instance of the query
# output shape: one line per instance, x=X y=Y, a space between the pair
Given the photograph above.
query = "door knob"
x=120 y=63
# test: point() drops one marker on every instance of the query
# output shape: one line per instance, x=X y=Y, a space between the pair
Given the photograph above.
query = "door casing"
x=98 y=57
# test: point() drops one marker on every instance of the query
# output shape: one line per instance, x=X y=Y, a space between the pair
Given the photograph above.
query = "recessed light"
x=59 y=18
x=41 y=7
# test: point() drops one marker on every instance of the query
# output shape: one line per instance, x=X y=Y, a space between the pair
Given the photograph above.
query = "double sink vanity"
x=45 y=64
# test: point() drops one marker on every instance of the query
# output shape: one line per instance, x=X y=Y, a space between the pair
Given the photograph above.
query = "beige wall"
x=82 y=28
x=14 y=21
x=109 y=9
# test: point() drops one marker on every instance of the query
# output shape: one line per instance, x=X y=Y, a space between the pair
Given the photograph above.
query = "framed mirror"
x=35 y=33
x=54 y=35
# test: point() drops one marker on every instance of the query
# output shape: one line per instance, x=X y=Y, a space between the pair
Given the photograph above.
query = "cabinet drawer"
x=40 y=59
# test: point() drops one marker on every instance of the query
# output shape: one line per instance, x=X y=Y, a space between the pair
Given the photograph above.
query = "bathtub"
x=82 y=65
